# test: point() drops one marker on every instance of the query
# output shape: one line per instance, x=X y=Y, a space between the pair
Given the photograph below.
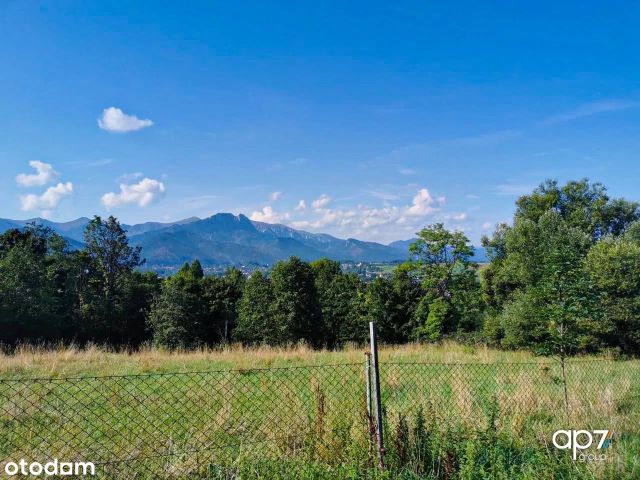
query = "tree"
x=407 y=292
x=108 y=263
x=552 y=309
x=333 y=312
x=295 y=306
x=613 y=265
x=432 y=328
x=179 y=316
x=256 y=325
x=346 y=304
x=391 y=304
x=36 y=301
x=139 y=293
x=442 y=262
x=222 y=295
x=582 y=205
x=169 y=318
x=496 y=282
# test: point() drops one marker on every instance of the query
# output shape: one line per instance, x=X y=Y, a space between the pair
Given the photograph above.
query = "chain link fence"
x=174 y=425
x=178 y=423
x=597 y=392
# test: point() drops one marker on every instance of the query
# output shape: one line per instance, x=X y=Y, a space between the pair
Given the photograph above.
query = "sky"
x=360 y=119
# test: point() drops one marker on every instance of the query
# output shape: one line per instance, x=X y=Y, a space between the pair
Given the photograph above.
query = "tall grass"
x=451 y=412
x=30 y=360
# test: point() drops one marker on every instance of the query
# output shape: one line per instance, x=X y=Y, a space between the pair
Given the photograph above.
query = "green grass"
x=450 y=412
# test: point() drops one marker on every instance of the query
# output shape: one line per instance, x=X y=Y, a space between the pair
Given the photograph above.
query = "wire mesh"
x=175 y=425
x=604 y=393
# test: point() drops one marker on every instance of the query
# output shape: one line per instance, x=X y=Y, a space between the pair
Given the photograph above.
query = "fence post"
x=371 y=432
x=367 y=373
x=376 y=391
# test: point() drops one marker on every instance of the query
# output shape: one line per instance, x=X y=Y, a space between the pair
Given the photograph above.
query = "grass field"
x=451 y=411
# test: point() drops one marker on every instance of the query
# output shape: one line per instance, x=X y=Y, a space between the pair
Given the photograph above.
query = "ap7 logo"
x=575 y=440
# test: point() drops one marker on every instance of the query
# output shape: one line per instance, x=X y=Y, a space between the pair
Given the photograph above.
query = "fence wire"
x=182 y=424
x=176 y=424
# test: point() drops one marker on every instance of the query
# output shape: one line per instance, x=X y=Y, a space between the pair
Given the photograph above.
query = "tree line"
x=563 y=277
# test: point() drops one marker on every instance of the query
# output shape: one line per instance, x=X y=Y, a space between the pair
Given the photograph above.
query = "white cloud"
x=383 y=222
x=45 y=174
x=487 y=225
x=275 y=196
x=365 y=218
x=423 y=203
x=320 y=202
x=48 y=200
x=593 y=108
x=115 y=120
x=471 y=196
x=142 y=194
x=406 y=171
x=269 y=215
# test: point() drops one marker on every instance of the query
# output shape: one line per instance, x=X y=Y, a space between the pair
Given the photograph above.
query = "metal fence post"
x=367 y=373
x=376 y=392
x=371 y=431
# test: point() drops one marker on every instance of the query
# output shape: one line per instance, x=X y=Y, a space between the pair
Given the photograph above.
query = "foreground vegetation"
x=451 y=412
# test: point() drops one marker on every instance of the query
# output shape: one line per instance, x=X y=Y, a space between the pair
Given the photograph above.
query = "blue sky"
x=380 y=117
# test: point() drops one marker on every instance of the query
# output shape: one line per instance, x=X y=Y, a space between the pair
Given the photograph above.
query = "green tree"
x=408 y=293
x=613 y=265
x=391 y=303
x=326 y=274
x=36 y=277
x=441 y=260
x=552 y=311
x=521 y=254
x=178 y=318
x=256 y=325
x=169 y=318
x=139 y=293
x=582 y=205
x=346 y=303
x=196 y=269
x=295 y=307
x=222 y=295
x=497 y=283
x=108 y=262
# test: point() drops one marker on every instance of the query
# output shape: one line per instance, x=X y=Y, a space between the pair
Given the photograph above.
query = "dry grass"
x=95 y=360
x=316 y=414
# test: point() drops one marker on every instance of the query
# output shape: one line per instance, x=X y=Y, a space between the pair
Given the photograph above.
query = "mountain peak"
x=226 y=238
x=226 y=218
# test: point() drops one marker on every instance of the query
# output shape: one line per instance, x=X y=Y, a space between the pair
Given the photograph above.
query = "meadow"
x=451 y=411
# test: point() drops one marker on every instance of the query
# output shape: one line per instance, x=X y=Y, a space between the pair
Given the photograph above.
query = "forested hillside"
x=563 y=277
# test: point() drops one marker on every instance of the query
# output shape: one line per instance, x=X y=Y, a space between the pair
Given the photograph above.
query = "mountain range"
x=227 y=239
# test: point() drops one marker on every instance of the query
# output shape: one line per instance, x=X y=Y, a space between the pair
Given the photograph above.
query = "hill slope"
x=225 y=238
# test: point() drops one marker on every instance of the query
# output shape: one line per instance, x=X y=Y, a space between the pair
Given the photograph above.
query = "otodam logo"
x=580 y=440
